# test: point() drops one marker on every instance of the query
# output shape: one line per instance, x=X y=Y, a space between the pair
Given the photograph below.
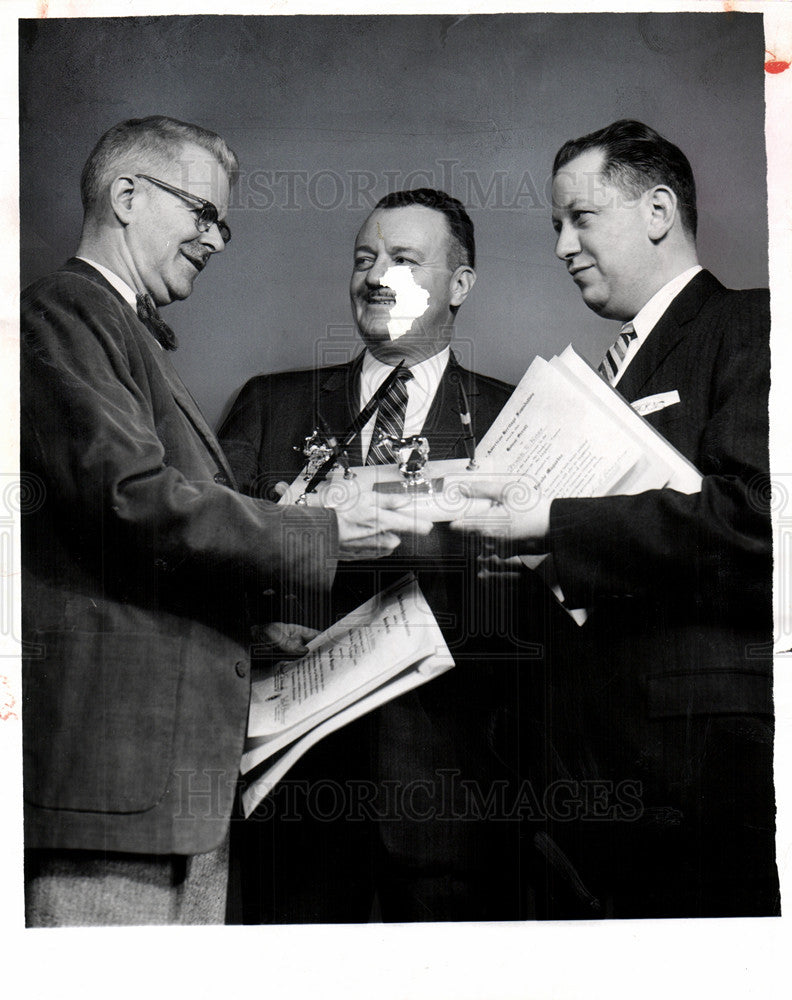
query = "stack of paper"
x=387 y=646
x=568 y=433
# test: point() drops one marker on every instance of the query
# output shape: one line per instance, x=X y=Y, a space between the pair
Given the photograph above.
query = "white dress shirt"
x=129 y=293
x=421 y=391
x=648 y=317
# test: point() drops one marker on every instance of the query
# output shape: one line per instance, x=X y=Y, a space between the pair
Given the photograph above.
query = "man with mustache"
x=429 y=858
x=668 y=686
x=140 y=557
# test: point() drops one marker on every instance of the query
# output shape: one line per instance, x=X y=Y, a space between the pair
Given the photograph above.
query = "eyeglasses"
x=207 y=213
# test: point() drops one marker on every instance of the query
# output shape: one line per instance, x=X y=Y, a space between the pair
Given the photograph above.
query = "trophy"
x=316 y=451
x=322 y=449
x=317 y=448
x=410 y=454
x=322 y=452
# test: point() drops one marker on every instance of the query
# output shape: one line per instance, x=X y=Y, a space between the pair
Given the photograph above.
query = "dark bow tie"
x=149 y=316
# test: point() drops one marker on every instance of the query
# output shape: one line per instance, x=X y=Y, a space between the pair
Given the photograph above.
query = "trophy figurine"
x=411 y=454
x=317 y=448
x=316 y=451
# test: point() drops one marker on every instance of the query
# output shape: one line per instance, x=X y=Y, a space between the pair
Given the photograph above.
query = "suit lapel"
x=74 y=265
x=181 y=395
x=672 y=327
x=338 y=401
x=192 y=412
x=442 y=426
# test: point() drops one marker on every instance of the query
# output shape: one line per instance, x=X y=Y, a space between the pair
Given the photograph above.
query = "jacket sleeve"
x=241 y=433
x=712 y=548
x=124 y=470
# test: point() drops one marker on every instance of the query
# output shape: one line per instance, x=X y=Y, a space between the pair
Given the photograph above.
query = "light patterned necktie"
x=390 y=419
x=614 y=357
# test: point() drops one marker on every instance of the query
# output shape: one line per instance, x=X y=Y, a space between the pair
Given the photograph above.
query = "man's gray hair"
x=143 y=144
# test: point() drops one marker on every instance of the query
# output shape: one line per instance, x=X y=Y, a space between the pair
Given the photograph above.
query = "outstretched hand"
x=510 y=515
x=374 y=524
x=370 y=525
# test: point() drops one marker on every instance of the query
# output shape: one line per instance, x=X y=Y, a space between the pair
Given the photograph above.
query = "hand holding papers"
x=281 y=637
x=557 y=436
x=566 y=433
x=563 y=433
x=386 y=647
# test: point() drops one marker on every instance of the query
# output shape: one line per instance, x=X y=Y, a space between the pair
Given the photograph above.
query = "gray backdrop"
x=329 y=113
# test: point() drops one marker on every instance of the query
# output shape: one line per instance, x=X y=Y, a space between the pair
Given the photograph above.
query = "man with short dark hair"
x=429 y=857
x=141 y=560
x=667 y=688
x=424 y=240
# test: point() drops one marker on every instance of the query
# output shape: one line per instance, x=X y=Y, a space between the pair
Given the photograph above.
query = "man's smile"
x=196 y=258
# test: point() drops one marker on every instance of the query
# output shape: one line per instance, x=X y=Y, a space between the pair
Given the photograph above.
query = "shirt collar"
x=425 y=380
x=129 y=294
x=650 y=314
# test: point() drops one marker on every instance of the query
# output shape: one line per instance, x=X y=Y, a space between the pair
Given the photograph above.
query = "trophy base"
x=402 y=487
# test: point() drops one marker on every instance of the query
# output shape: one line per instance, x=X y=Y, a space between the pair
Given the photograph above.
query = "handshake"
x=375 y=523
x=508 y=516
x=370 y=525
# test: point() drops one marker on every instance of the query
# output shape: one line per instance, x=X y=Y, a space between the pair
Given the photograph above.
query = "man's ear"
x=121 y=198
x=462 y=281
x=662 y=204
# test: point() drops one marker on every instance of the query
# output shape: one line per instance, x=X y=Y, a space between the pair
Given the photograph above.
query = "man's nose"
x=567 y=243
x=212 y=239
x=376 y=271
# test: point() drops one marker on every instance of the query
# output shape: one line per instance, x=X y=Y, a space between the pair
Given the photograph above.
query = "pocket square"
x=651 y=404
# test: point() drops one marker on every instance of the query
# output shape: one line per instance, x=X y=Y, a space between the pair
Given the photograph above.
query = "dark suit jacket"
x=138 y=562
x=449 y=868
x=679 y=638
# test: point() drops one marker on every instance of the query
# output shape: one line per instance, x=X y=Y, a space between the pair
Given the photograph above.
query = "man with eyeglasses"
x=141 y=558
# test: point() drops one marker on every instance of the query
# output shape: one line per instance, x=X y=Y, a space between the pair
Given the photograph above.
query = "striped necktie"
x=390 y=419
x=614 y=357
